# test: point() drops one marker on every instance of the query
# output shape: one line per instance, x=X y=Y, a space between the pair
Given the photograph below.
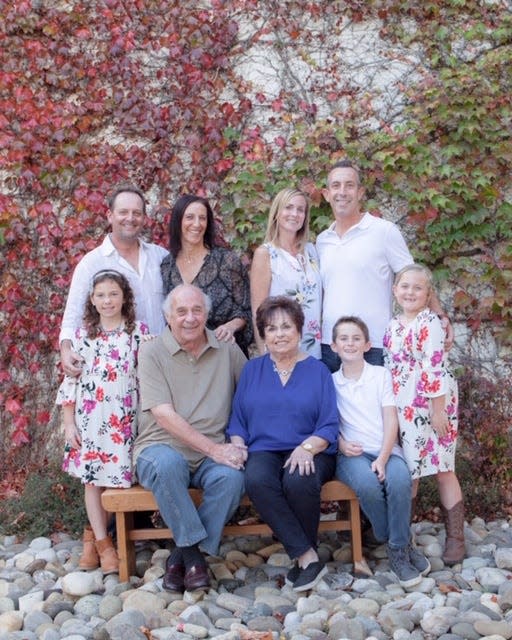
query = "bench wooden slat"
x=125 y=502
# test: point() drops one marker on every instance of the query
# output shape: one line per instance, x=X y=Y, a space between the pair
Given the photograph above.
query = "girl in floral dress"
x=287 y=264
x=99 y=407
x=426 y=394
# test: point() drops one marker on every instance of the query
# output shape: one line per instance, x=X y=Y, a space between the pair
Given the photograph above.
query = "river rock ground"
x=44 y=597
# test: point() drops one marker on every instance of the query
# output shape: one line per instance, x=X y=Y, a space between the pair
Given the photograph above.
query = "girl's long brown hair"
x=92 y=317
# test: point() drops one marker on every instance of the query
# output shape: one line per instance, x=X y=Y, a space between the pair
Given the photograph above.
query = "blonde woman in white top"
x=287 y=264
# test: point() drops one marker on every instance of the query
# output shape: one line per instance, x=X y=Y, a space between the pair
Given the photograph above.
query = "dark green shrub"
x=51 y=501
x=484 y=451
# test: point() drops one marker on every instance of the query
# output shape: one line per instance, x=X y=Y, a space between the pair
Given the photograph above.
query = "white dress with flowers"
x=299 y=278
x=414 y=353
x=105 y=396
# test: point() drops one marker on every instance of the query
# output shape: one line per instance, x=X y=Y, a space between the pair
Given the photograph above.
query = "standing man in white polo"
x=359 y=256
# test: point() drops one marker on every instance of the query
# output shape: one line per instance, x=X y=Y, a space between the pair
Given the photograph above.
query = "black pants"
x=288 y=502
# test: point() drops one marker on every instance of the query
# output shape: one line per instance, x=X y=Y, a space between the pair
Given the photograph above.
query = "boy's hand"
x=379 y=467
x=350 y=448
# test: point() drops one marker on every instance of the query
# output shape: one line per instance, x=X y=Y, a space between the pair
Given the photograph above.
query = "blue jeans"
x=333 y=362
x=387 y=505
x=167 y=474
x=288 y=502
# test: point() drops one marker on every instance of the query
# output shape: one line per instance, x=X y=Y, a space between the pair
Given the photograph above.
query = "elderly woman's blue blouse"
x=273 y=417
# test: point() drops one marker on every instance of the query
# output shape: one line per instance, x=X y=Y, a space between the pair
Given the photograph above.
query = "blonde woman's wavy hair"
x=278 y=204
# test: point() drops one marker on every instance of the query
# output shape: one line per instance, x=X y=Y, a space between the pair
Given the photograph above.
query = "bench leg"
x=361 y=567
x=125 y=546
x=355 y=527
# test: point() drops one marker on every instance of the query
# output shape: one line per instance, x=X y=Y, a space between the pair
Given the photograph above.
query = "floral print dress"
x=105 y=396
x=299 y=278
x=414 y=353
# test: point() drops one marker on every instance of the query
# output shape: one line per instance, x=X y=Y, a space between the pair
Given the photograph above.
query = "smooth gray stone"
x=256 y=610
x=34 y=619
x=214 y=612
x=127 y=632
x=345 y=628
x=50 y=634
x=88 y=606
x=75 y=626
x=132 y=618
x=481 y=608
x=110 y=606
x=390 y=620
x=53 y=608
x=264 y=623
x=195 y=615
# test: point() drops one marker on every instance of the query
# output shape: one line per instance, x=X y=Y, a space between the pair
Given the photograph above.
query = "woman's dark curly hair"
x=92 y=317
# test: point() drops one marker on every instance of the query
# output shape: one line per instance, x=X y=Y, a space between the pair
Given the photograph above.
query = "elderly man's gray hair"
x=167 y=303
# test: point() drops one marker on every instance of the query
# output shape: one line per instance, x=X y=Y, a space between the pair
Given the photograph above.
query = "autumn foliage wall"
x=235 y=100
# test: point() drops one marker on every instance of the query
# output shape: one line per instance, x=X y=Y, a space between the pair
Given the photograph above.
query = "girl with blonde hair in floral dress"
x=427 y=400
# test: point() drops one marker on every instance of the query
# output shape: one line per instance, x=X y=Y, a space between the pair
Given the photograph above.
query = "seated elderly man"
x=187 y=380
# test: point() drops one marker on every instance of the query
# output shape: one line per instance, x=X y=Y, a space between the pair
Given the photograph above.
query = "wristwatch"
x=308 y=446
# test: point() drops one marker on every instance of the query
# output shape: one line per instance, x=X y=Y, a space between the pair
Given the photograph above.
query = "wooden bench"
x=125 y=502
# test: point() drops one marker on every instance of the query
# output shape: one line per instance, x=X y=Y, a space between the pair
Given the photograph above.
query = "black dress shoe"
x=196 y=577
x=173 y=579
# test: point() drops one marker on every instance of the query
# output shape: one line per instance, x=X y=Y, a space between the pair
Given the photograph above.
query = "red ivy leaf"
x=12 y=406
x=43 y=417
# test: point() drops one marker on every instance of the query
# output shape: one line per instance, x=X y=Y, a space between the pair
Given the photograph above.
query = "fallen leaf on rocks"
x=448 y=588
x=248 y=634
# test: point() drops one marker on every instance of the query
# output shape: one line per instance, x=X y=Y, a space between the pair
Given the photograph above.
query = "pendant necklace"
x=283 y=373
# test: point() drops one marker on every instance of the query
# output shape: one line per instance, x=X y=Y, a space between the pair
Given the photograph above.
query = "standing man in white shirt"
x=122 y=250
x=359 y=255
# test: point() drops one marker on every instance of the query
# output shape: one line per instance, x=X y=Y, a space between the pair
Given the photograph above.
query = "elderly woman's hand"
x=301 y=459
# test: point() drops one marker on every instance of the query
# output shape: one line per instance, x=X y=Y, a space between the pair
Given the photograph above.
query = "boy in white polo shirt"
x=370 y=460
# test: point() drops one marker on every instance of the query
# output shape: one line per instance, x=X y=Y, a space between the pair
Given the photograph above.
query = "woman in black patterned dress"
x=194 y=258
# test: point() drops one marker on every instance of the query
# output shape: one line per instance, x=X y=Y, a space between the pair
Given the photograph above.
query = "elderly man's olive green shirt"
x=200 y=390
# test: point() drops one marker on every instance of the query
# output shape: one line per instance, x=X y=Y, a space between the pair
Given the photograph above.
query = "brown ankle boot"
x=108 y=555
x=454 y=549
x=89 y=558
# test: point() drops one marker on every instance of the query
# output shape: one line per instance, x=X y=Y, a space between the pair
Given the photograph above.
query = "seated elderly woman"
x=284 y=411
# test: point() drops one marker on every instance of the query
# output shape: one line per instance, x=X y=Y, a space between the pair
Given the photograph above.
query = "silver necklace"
x=283 y=373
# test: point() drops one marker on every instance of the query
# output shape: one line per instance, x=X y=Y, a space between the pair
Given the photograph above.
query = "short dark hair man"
x=122 y=250
x=359 y=256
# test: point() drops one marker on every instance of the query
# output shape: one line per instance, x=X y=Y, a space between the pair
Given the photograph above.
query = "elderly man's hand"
x=232 y=455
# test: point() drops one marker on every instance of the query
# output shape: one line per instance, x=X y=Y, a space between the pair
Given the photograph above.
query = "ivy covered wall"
x=235 y=100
